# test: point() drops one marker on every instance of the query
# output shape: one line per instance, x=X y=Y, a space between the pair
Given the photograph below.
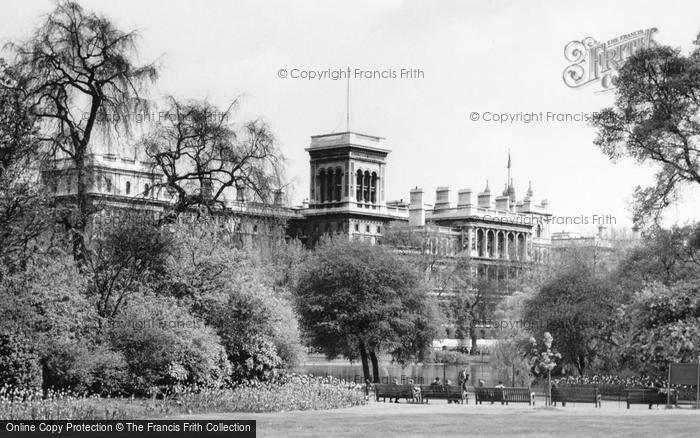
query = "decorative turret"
x=485 y=197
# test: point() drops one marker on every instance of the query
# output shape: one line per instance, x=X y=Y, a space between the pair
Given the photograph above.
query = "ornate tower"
x=347 y=187
x=347 y=169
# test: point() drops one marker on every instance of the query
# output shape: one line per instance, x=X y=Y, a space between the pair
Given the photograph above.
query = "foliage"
x=448 y=356
x=19 y=363
x=77 y=71
x=23 y=216
x=666 y=256
x=356 y=299
x=654 y=119
x=233 y=294
x=543 y=359
x=123 y=256
x=85 y=368
x=579 y=310
x=511 y=334
x=664 y=327
x=163 y=344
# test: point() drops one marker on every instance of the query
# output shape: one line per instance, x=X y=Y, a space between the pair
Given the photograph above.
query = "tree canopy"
x=655 y=120
x=359 y=300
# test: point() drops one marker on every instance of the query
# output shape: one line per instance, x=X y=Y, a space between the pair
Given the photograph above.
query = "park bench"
x=576 y=395
x=483 y=394
x=390 y=391
x=518 y=395
x=447 y=392
x=504 y=395
x=648 y=396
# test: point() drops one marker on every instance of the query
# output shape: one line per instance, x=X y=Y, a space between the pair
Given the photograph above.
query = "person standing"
x=463 y=378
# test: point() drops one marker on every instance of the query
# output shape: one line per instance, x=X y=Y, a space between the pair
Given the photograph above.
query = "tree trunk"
x=375 y=366
x=79 y=225
x=365 y=364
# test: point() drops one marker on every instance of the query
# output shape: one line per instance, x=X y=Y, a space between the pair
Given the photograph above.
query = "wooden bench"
x=384 y=391
x=447 y=392
x=484 y=394
x=648 y=396
x=518 y=395
x=576 y=395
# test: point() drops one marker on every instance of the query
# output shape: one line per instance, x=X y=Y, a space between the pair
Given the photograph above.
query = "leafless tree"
x=77 y=70
x=201 y=153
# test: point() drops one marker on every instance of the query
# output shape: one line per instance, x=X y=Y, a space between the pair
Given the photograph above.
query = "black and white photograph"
x=325 y=218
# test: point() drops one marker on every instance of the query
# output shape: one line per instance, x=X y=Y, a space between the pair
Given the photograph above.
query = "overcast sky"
x=500 y=57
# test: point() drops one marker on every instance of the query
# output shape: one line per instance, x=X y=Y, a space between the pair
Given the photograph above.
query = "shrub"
x=84 y=368
x=163 y=345
x=450 y=356
x=19 y=363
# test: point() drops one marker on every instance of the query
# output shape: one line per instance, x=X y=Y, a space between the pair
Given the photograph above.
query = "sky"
x=483 y=58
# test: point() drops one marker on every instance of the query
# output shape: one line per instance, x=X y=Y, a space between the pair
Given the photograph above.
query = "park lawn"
x=442 y=419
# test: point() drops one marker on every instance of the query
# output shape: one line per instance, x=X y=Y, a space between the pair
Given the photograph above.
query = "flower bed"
x=286 y=394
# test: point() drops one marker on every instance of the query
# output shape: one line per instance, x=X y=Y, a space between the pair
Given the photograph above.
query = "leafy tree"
x=664 y=327
x=655 y=119
x=579 y=310
x=359 y=300
x=23 y=217
x=513 y=332
x=662 y=255
x=76 y=71
x=124 y=256
x=224 y=286
x=544 y=360
x=46 y=309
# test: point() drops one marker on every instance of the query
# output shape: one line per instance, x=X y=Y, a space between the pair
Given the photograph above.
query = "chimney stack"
x=416 y=210
x=442 y=198
x=464 y=198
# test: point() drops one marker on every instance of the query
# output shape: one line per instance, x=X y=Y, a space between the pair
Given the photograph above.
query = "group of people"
x=462 y=377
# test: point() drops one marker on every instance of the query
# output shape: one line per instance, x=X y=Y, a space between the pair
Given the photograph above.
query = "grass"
x=442 y=419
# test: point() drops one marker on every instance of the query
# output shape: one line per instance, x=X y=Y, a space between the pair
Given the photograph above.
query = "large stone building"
x=347 y=194
x=501 y=234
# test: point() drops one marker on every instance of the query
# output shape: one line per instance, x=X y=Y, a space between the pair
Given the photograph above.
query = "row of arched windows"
x=366 y=186
x=330 y=184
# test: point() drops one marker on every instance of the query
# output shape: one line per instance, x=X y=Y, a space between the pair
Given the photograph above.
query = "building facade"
x=347 y=194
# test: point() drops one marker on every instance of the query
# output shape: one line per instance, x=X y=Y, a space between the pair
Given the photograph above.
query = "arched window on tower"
x=358 y=195
x=128 y=187
x=338 y=184
x=146 y=189
x=322 y=183
x=365 y=186
x=329 y=185
x=373 y=188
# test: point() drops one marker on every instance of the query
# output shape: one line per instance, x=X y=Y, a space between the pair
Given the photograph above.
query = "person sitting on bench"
x=416 y=391
x=394 y=381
